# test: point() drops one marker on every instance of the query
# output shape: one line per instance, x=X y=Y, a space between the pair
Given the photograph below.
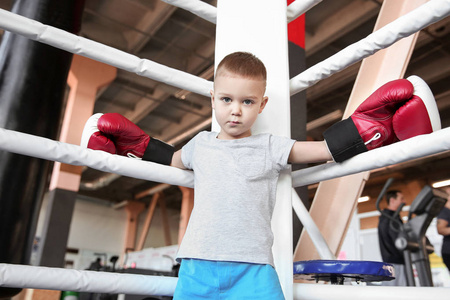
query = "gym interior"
x=81 y=218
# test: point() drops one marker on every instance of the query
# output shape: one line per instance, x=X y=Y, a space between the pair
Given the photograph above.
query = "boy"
x=226 y=250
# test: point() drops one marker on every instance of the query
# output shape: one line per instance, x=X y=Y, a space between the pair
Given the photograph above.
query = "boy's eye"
x=226 y=99
x=248 y=102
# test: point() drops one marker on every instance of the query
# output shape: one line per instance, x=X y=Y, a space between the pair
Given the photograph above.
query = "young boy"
x=226 y=250
x=229 y=239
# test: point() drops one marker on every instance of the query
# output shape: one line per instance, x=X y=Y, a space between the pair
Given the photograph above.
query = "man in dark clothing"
x=443 y=228
x=387 y=235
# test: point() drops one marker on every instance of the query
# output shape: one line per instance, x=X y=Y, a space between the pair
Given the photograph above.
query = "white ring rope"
x=416 y=147
x=21 y=276
x=299 y=7
x=78 y=45
x=310 y=226
x=209 y=12
x=44 y=148
x=198 y=8
x=304 y=291
x=404 y=26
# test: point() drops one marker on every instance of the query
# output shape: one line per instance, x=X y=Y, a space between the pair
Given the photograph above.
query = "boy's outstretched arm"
x=309 y=152
x=176 y=160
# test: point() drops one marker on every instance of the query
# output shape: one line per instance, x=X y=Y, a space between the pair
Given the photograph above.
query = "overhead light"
x=363 y=199
x=181 y=94
x=441 y=183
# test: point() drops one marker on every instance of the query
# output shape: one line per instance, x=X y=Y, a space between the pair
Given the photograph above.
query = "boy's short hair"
x=391 y=194
x=244 y=64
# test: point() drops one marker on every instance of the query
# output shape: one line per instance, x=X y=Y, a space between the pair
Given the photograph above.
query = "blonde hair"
x=244 y=64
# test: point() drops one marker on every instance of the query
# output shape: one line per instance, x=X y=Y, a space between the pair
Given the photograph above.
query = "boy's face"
x=237 y=101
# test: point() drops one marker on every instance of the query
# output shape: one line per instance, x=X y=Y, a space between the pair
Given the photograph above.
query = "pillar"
x=85 y=78
x=133 y=209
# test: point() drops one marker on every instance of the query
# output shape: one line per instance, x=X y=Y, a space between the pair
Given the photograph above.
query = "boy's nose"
x=236 y=109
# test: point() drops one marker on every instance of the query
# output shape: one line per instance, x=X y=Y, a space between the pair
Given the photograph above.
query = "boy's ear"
x=211 y=92
x=263 y=103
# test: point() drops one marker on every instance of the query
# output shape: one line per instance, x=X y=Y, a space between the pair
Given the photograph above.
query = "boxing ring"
x=88 y=281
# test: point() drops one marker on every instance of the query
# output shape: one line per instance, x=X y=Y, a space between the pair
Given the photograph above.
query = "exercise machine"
x=411 y=241
x=411 y=238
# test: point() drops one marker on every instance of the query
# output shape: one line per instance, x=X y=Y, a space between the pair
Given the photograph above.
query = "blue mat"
x=337 y=271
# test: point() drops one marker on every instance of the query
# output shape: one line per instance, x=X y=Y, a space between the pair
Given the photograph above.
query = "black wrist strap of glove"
x=158 y=152
x=343 y=140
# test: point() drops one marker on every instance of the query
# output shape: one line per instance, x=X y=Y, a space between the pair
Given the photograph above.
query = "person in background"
x=443 y=228
x=387 y=235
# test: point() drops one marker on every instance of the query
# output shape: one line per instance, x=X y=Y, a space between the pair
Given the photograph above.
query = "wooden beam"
x=133 y=210
x=165 y=221
x=187 y=204
x=343 y=21
x=336 y=199
x=148 y=221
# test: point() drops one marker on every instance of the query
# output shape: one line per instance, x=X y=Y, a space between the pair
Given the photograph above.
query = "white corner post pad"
x=244 y=26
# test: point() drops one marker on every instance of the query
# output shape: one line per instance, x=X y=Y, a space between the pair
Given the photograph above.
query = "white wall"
x=97 y=227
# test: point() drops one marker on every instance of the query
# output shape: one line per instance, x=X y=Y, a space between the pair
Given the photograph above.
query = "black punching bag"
x=32 y=85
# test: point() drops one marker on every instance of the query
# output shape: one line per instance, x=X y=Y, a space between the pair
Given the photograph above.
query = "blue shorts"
x=204 y=279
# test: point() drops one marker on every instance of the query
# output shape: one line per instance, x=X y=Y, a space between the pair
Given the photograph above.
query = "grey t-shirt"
x=235 y=187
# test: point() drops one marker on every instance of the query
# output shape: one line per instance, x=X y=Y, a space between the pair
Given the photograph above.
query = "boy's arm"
x=308 y=152
x=398 y=110
x=176 y=160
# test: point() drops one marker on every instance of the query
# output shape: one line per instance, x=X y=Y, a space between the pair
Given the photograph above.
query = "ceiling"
x=176 y=38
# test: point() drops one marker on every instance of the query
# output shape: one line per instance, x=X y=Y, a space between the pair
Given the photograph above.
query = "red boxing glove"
x=129 y=139
x=116 y=134
x=92 y=138
x=373 y=117
x=384 y=118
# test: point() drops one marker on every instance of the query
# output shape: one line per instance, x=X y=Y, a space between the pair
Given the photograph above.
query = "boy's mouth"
x=234 y=122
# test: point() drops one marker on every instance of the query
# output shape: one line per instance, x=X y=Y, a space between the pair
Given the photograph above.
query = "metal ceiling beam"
x=343 y=21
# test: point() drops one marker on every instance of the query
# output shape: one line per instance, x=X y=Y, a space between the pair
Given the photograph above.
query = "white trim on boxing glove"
x=89 y=129
x=422 y=90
